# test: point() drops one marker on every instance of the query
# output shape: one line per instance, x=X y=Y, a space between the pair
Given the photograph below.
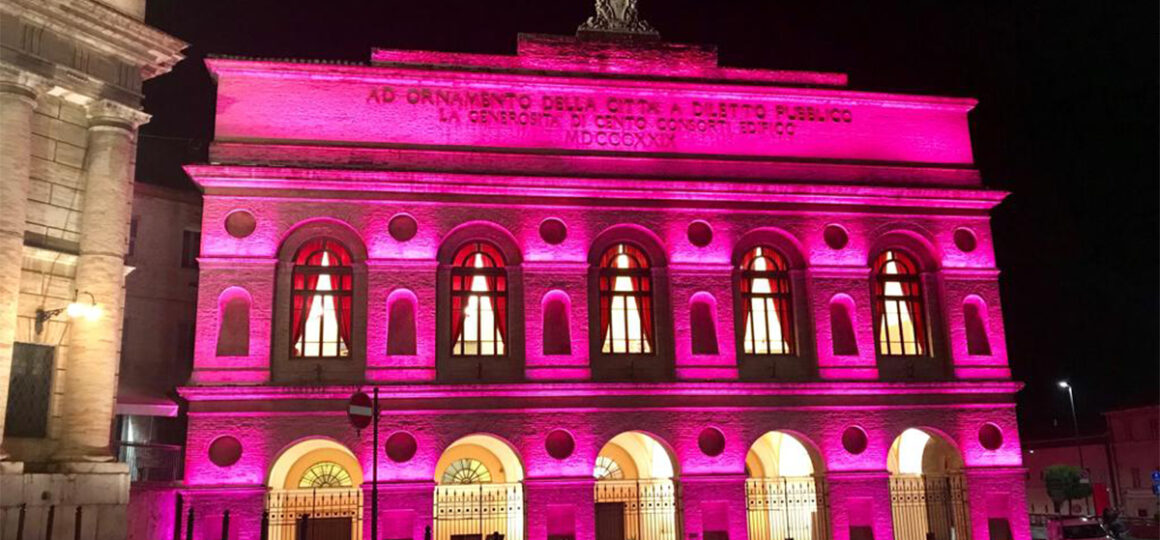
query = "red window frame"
x=463 y=274
x=640 y=271
x=911 y=300
x=304 y=281
x=777 y=272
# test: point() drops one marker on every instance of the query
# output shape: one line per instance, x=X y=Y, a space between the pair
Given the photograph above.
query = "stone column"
x=17 y=101
x=90 y=384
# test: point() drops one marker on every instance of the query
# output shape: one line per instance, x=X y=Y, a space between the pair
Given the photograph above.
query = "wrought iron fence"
x=638 y=510
x=475 y=511
x=315 y=514
x=786 y=508
x=929 y=507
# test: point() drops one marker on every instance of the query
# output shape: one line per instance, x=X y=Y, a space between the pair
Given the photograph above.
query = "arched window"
x=466 y=471
x=766 y=303
x=607 y=469
x=478 y=301
x=321 y=300
x=626 y=324
x=325 y=474
x=899 y=316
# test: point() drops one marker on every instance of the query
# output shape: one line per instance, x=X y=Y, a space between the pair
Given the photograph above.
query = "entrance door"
x=610 y=521
x=335 y=528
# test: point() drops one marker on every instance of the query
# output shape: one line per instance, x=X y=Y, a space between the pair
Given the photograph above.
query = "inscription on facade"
x=613 y=122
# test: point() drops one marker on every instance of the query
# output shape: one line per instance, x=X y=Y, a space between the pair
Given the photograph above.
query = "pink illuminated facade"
x=606 y=289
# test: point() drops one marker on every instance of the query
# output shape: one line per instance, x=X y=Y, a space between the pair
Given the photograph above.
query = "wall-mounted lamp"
x=75 y=310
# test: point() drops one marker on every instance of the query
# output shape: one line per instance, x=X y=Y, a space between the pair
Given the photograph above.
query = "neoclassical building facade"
x=606 y=289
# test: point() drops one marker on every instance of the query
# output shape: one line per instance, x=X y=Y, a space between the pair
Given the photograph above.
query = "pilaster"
x=713 y=505
x=859 y=503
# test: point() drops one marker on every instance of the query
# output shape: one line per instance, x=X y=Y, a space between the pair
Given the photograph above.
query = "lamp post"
x=1075 y=434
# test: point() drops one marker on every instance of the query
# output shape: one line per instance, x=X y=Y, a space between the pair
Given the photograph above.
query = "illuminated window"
x=898 y=304
x=466 y=471
x=607 y=469
x=765 y=303
x=325 y=474
x=321 y=300
x=626 y=324
x=478 y=301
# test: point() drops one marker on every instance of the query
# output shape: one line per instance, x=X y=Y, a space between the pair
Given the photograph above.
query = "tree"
x=1063 y=485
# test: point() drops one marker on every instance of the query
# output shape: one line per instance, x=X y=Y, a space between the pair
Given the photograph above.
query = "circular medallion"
x=700 y=233
x=401 y=446
x=225 y=451
x=854 y=440
x=559 y=444
x=711 y=441
x=965 y=240
x=553 y=231
x=240 y=223
x=990 y=436
x=835 y=236
x=402 y=227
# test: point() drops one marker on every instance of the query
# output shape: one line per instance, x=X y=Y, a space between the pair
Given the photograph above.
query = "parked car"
x=1076 y=528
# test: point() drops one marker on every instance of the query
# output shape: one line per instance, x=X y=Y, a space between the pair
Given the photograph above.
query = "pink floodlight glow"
x=553 y=157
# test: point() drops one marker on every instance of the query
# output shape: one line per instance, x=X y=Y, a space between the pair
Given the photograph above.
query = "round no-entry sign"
x=360 y=410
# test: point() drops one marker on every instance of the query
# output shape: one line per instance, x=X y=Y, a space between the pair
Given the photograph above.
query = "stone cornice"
x=105 y=29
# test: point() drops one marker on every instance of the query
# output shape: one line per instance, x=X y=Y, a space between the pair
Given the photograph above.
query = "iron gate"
x=786 y=508
x=929 y=507
x=474 y=511
x=638 y=510
x=315 y=514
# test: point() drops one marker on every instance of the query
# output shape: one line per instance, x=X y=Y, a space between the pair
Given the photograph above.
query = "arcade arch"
x=314 y=492
x=784 y=492
x=637 y=496
x=927 y=489
x=479 y=490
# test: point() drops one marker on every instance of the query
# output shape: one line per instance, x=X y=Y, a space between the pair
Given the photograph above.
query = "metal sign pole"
x=375 y=471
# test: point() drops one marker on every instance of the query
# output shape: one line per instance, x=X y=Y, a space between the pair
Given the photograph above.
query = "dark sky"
x=1067 y=121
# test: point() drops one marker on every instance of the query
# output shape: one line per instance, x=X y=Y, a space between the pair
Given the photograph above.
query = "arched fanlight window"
x=607 y=469
x=325 y=474
x=626 y=324
x=478 y=301
x=321 y=300
x=466 y=471
x=766 y=303
x=899 y=313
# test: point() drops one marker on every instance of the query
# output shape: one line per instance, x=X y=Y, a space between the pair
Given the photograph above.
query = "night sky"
x=1066 y=121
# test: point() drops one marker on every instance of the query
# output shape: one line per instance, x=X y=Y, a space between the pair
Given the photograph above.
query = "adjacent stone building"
x=605 y=288
x=70 y=96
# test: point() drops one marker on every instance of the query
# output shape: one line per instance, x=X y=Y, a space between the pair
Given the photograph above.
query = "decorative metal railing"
x=929 y=507
x=314 y=514
x=475 y=511
x=787 y=508
x=638 y=510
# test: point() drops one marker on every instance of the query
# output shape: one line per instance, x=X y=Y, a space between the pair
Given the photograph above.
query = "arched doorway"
x=927 y=490
x=637 y=497
x=784 y=493
x=479 y=490
x=314 y=493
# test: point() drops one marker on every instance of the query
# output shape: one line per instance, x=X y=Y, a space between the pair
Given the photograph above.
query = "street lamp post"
x=1075 y=435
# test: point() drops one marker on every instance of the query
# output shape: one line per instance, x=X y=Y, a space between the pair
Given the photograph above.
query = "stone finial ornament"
x=617 y=16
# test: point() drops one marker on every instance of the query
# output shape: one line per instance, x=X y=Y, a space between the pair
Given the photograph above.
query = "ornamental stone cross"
x=619 y=16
